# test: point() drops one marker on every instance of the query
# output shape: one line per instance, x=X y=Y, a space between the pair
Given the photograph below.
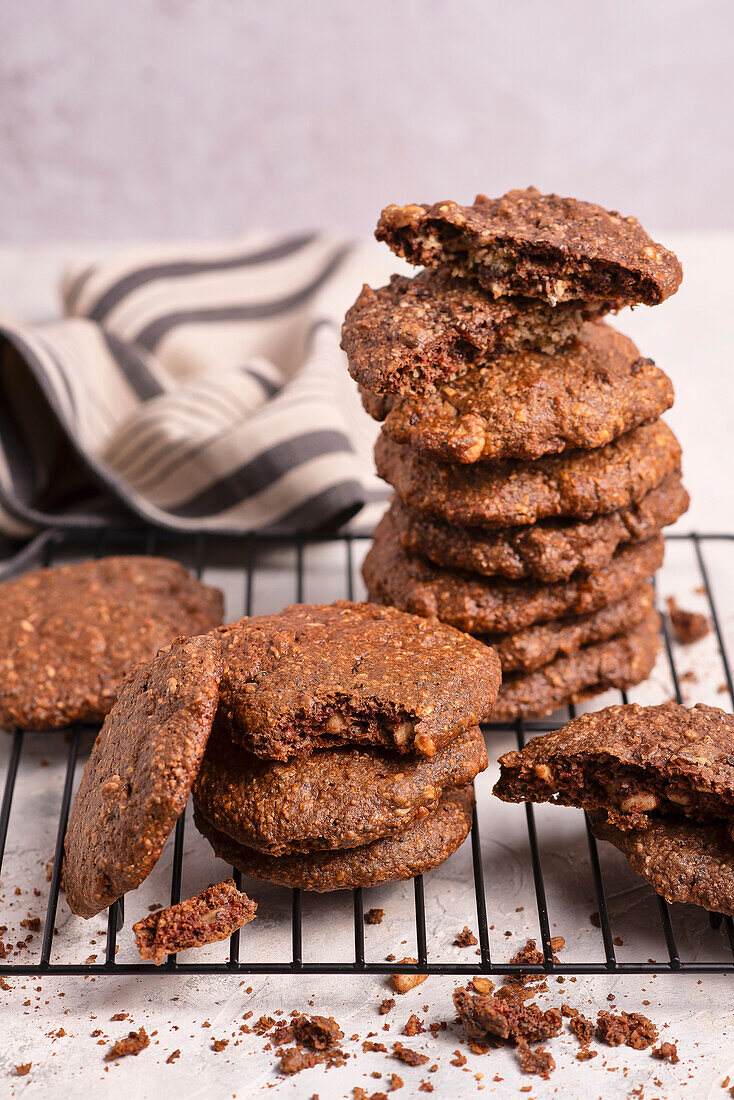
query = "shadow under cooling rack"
x=198 y=553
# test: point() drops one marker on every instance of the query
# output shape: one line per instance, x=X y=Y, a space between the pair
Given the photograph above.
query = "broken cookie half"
x=658 y=783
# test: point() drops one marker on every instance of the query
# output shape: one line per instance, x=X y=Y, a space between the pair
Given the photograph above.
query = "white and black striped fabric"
x=198 y=388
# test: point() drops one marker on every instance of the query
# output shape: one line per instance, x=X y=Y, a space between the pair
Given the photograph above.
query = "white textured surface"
x=690 y=337
x=199 y=117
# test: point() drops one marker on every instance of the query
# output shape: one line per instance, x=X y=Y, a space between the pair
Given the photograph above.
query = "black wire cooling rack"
x=196 y=554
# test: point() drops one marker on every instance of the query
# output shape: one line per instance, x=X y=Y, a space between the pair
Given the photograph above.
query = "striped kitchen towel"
x=196 y=388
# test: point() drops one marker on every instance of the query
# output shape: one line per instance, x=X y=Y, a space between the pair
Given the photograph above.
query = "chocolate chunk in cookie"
x=317 y=676
x=411 y=335
x=530 y=649
x=513 y=493
x=552 y=550
x=137 y=779
x=417 y=849
x=632 y=763
x=526 y=405
x=542 y=246
x=69 y=635
x=211 y=916
x=337 y=798
x=620 y=662
x=494 y=605
x=682 y=860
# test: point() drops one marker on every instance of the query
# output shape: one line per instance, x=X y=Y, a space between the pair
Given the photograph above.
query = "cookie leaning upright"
x=138 y=777
x=522 y=435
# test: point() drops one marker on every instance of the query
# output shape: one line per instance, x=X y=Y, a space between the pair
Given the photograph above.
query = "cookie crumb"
x=133 y=1044
x=466 y=938
x=666 y=1052
x=374 y=916
x=410 y=1057
x=688 y=626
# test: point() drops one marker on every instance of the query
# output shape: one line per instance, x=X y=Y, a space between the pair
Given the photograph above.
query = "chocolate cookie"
x=514 y=493
x=549 y=551
x=542 y=246
x=417 y=849
x=682 y=861
x=414 y=333
x=212 y=915
x=530 y=649
x=489 y=605
x=68 y=636
x=318 y=676
x=337 y=798
x=137 y=779
x=618 y=663
x=630 y=762
x=527 y=404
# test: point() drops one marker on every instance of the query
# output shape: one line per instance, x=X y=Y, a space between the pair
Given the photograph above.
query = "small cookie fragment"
x=631 y=1028
x=212 y=915
x=539 y=1061
x=506 y=1018
x=666 y=1052
x=132 y=1044
x=688 y=626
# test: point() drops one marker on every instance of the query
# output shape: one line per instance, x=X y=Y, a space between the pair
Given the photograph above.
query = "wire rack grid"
x=77 y=545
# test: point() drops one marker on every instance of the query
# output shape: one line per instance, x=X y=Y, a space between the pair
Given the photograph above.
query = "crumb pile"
x=522 y=436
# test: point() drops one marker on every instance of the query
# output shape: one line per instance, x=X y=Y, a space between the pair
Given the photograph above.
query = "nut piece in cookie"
x=512 y=493
x=527 y=404
x=412 y=334
x=631 y=764
x=333 y=799
x=415 y=850
x=681 y=859
x=321 y=675
x=542 y=246
x=137 y=779
x=211 y=916
x=70 y=635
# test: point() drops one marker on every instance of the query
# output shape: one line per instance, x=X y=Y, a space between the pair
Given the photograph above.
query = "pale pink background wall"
x=132 y=118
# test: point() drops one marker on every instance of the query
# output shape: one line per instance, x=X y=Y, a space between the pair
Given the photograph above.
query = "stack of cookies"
x=345 y=745
x=328 y=746
x=522 y=436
